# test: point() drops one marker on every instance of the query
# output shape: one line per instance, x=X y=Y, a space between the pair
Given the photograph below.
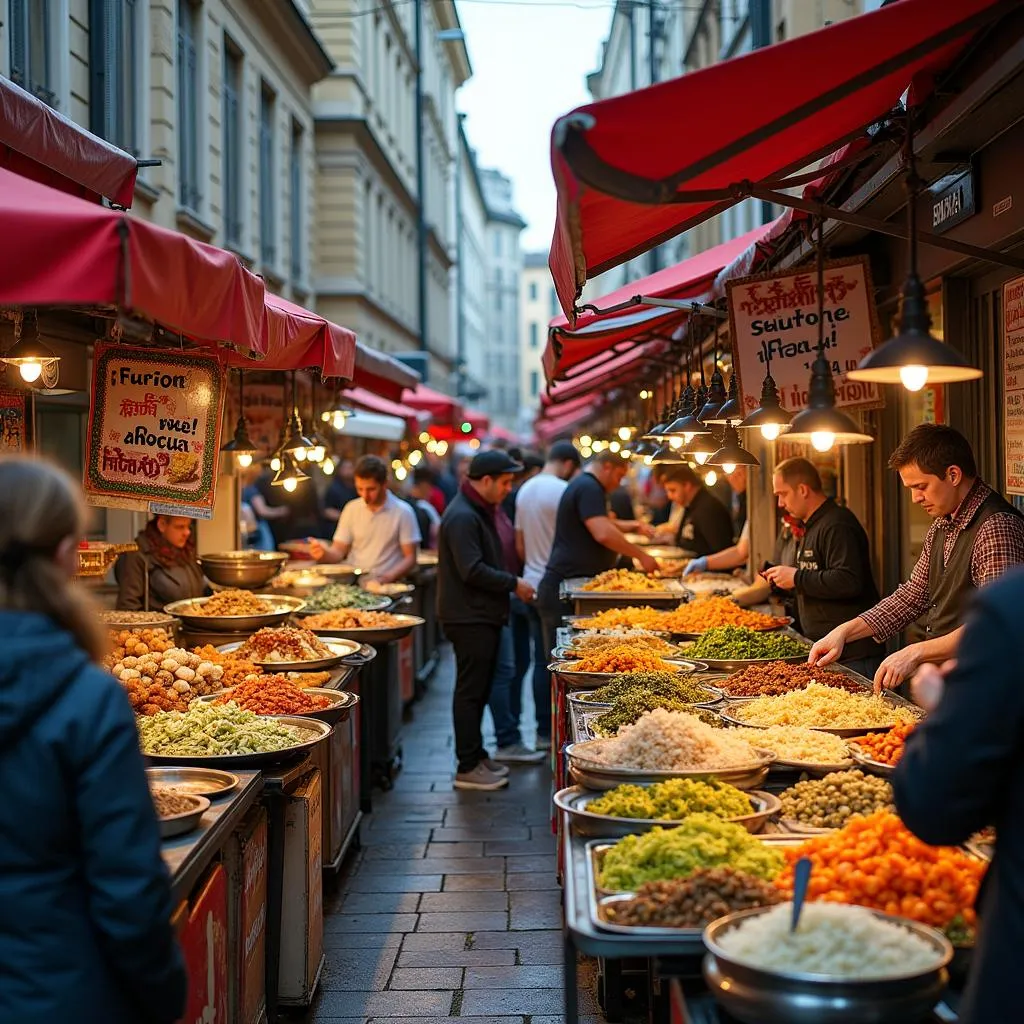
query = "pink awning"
x=363 y=399
x=381 y=374
x=443 y=408
x=299 y=338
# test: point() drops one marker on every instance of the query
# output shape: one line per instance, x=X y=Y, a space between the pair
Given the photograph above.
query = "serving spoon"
x=801 y=879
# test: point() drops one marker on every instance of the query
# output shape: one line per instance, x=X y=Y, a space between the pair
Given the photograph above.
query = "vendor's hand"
x=781 y=576
x=647 y=562
x=524 y=591
x=695 y=565
x=315 y=548
x=929 y=684
x=896 y=668
x=645 y=530
x=828 y=649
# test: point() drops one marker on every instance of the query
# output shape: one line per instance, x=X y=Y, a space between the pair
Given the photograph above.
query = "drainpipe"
x=421 y=220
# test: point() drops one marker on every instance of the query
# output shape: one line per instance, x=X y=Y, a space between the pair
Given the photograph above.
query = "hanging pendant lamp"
x=732 y=453
x=686 y=425
x=290 y=475
x=821 y=424
x=731 y=410
x=701 y=448
x=769 y=415
x=241 y=445
x=914 y=357
x=717 y=396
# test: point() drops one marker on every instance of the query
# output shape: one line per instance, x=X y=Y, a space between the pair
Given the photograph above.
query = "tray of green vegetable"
x=344 y=595
x=226 y=736
x=733 y=648
x=630 y=810
x=672 y=686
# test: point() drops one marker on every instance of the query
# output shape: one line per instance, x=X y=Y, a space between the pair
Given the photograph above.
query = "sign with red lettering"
x=774 y=325
x=154 y=429
x=1013 y=384
x=12 y=421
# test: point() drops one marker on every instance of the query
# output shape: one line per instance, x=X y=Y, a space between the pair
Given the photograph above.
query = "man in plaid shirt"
x=977 y=535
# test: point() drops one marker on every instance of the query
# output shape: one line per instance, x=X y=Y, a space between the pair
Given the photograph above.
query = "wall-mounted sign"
x=949 y=201
x=774 y=323
x=1013 y=384
x=12 y=421
x=154 y=429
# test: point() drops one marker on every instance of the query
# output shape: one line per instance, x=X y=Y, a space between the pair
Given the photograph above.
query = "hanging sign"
x=154 y=430
x=12 y=421
x=1013 y=384
x=774 y=318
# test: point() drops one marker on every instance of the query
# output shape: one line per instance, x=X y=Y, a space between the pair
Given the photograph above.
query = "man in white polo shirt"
x=377 y=532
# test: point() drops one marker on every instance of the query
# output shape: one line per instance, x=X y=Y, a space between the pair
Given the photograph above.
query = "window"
x=117 y=100
x=533 y=291
x=534 y=383
x=32 y=63
x=497 y=243
x=233 y=92
x=188 y=104
x=534 y=335
x=297 y=194
x=554 y=303
x=268 y=232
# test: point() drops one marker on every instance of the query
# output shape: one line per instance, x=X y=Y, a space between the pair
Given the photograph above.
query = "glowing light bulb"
x=474 y=443
x=822 y=440
x=424 y=437
x=702 y=457
x=614 y=447
x=275 y=464
x=648 y=460
x=431 y=445
x=586 y=441
x=770 y=431
x=586 y=451
x=289 y=484
x=442 y=448
x=30 y=371
x=711 y=479
x=244 y=460
x=327 y=466
x=624 y=433
x=339 y=421
x=624 y=454
x=677 y=442
x=415 y=458
x=687 y=438
x=317 y=453
x=300 y=454
x=728 y=468
x=914 y=377
x=401 y=473
x=325 y=417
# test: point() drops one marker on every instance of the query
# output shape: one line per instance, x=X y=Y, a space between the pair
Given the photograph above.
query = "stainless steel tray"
x=342 y=703
x=736 y=665
x=208 y=782
x=376 y=635
x=574 y=800
x=580 y=701
x=571 y=590
x=582 y=720
x=187 y=821
x=875 y=767
x=380 y=603
x=592 y=680
x=691 y=940
x=813 y=768
x=729 y=715
x=566 y=653
x=341 y=648
x=311 y=733
x=710 y=583
x=279 y=608
x=604 y=777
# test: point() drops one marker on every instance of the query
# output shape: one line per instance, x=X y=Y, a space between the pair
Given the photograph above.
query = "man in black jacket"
x=832 y=577
x=963 y=769
x=706 y=526
x=473 y=589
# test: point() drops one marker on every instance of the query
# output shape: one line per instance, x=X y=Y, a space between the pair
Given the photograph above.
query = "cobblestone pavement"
x=451 y=907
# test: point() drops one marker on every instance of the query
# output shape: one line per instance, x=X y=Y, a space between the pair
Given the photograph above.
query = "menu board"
x=154 y=430
x=1013 y=384
x=12 y=421
x=774 y=325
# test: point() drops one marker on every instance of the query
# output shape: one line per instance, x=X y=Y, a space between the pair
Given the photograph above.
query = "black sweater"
x=472 y=585
x=833 y=576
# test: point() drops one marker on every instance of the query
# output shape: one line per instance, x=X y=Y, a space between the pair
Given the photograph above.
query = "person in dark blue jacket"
x=85 y=899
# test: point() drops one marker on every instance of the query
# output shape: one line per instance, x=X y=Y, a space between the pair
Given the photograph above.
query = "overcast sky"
x=530 y=60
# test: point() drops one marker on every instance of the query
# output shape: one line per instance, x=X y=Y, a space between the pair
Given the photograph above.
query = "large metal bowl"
x=758 y=996
x=279 y=608
x=187 y=821
x=342 y=703
x=246 y=570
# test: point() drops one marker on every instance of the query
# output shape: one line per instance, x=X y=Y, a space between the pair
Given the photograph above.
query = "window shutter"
x=19 y=43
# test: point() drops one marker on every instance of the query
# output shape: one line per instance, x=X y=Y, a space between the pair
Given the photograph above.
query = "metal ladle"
x=801 y=879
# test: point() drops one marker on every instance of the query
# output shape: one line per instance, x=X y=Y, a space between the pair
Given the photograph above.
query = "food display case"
x=587 y=602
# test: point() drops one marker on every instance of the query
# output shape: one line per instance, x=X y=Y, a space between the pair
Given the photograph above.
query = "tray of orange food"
x=687 y=622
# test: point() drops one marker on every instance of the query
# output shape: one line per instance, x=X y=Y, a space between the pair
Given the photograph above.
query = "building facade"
x=538 y=303
x=386 y=138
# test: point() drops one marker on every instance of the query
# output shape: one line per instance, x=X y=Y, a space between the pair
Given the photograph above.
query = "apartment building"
x=386 y=151
x=537 y=305
x=218 y=91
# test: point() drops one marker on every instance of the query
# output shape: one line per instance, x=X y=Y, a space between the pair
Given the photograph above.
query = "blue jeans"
x=520 y=622
x=506 y=719
x=540 y=676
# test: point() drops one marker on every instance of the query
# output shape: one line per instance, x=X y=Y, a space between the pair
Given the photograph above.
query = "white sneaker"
x=481 y=777
x=518 y=753
x=493 y=766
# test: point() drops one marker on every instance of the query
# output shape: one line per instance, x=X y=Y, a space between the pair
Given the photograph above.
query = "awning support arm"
x=648 y=300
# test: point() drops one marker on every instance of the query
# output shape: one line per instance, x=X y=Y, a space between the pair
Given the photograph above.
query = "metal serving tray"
x=341 y=649
x=372 y=635
x=845 y=733
x=710 y=584
x=583 y=720
x=208 y=782
x=342 y=703
x=592 y=680
x=279 y=608
x=671 y=590
x=574 y=800
x=577 y=699
x=868 y=764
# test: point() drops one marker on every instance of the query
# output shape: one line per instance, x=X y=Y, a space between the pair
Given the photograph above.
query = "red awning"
x=381 y=374
x=443 y=408
x=39 y=143
x=299 y=338
x=363 y=399
x=693 y=280
x=498 y=433
x=601 y=374
x=550 y=429
x=629 y=176
x=60 y=250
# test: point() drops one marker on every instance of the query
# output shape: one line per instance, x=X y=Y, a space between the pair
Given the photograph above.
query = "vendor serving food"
x=977 y=535
x=164 y=569
x=377 y=533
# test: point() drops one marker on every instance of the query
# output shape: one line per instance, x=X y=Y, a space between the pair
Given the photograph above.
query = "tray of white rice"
x=667 y=745
x=843 y=965
x=795 y=746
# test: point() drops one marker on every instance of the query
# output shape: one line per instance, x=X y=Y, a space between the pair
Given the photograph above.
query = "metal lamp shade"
x=732 y=452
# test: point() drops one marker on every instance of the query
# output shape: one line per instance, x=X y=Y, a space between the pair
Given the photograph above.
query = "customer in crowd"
x=341 y=491
x=981 y=534
x=270 y=508
x=532 y=464
x=832 y=579
x=587 y=541
x=473 y=607
x=963 y=769
x=378 y=533
x=536 y=511
x=257 y=534
x=165 y=568
x=85 y=898
x=421 y=491
x=620 y=503
x=705 y=526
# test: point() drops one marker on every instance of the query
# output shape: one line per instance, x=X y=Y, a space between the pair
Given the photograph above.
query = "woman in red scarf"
x=163 y=570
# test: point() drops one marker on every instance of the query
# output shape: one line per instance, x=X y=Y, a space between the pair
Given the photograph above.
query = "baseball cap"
x=493 y=463
x=564 y=451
